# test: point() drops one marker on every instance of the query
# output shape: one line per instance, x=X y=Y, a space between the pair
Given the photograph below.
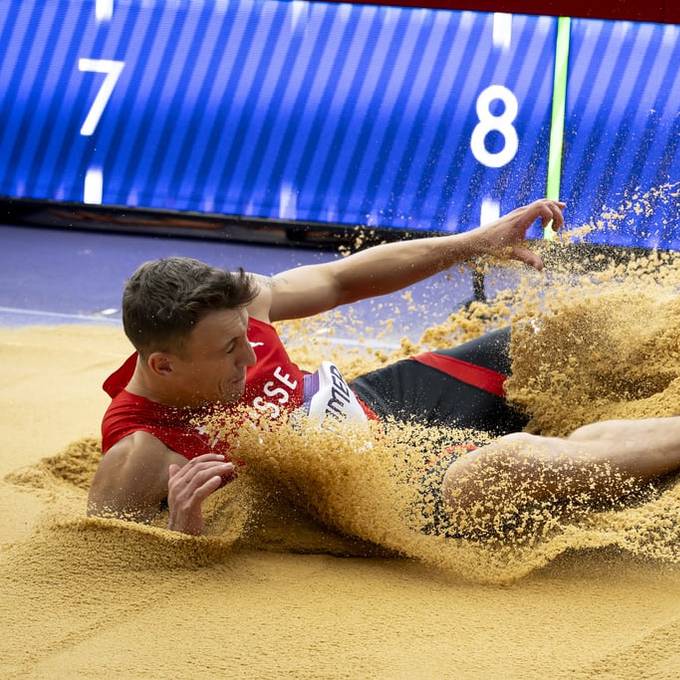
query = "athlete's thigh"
x=491 y=350
x=411 y=391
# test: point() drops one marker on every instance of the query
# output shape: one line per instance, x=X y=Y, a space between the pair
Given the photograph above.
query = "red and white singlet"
x=273 y=384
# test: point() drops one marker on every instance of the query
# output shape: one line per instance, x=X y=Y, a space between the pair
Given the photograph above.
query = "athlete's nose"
x=249 y=359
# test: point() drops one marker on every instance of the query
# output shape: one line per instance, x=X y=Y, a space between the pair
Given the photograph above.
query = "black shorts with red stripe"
x=459 y=387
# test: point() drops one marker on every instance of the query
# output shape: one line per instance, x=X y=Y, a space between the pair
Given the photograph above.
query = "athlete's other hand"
x=506 y=236
x=189 y=485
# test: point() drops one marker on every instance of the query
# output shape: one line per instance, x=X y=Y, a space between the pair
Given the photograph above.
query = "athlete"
x=203 y=337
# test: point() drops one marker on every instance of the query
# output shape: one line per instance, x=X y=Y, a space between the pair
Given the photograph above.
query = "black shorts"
x=411 y=391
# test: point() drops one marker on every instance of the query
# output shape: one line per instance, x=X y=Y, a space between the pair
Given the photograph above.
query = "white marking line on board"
x=373 y=344
x=491 y=210
x=299 y=10
x=94 y=186
x=287 y=202
x=57 y=315
x=103 y=10
x=502 y=30
x=348 y=342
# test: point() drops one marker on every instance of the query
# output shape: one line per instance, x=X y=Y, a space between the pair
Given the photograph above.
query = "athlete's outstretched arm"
x=309 y=290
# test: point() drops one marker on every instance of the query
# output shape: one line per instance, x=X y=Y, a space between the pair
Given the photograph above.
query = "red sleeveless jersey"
x=273 y=384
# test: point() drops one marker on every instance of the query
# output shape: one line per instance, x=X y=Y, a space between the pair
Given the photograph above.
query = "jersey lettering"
x=262 y=406
x=277 y=396
x=285 y=379
x=277 y=391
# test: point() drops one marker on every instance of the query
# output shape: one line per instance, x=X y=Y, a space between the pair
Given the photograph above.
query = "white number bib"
x=327 y=395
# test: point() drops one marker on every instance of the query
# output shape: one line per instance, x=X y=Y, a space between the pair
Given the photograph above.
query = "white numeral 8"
x=502 y=123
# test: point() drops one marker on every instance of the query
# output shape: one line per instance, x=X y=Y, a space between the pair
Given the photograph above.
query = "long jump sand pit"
x=271 y=592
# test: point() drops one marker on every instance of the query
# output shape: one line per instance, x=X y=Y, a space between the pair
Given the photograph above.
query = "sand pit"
x=311 y=565
x=86 y=599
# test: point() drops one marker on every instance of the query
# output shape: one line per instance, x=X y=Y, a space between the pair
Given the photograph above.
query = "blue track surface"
x=51 y=276
x=81 y=274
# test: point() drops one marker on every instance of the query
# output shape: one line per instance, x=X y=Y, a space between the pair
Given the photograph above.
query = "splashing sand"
x=576 y=359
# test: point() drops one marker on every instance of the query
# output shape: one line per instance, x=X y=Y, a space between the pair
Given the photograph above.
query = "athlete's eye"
x=231 y=347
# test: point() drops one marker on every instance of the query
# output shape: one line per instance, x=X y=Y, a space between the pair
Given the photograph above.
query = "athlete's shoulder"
x=133 y=475
x=127 y=414
x=140 y=443
x=261 y=305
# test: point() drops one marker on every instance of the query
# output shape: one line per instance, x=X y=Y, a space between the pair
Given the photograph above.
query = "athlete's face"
x=212 y=365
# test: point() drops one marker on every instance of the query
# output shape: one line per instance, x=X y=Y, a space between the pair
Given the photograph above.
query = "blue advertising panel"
x=621 y=168
x=338 y=113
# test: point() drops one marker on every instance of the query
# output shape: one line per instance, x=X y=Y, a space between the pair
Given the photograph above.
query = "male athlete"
x=203 y=336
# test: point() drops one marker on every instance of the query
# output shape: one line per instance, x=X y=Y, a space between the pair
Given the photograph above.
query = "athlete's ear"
x=159 y=363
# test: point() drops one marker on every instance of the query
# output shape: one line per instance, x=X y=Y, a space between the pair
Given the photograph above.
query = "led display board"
x=338 y=114
x=621 y=161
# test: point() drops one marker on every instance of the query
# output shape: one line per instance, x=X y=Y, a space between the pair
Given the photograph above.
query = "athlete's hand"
x=505 y=237
x=190 y=484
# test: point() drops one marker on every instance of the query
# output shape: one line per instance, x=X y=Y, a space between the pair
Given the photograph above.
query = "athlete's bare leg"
x=597 y=462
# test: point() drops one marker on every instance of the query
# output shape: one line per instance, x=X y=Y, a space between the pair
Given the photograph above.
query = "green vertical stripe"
x=558 y=108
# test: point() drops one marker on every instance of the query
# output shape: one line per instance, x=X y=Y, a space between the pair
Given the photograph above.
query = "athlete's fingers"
x=190 y=469
x=541 y=210
x=548 y=211
x=199 y=461
x=558 y=218
x=528 y=257
x=190 y=481
x=173 y=468
x=207 y=456
x=181 y=491
x=208 y=487
x=202 y=476
x=534 y=210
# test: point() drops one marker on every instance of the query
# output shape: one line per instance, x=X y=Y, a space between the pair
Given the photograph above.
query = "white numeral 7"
x=113 y=69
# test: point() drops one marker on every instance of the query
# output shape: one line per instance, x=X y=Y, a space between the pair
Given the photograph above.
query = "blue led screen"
x=334 y=113
x=622 y=131
x=306 y=111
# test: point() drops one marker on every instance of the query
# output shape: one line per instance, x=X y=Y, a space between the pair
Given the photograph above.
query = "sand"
x=287 y=597
x=312 y=566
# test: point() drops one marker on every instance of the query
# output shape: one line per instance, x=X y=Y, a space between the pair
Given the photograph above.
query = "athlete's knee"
x=466 y=479
x=500 y=452
x=481 y=486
